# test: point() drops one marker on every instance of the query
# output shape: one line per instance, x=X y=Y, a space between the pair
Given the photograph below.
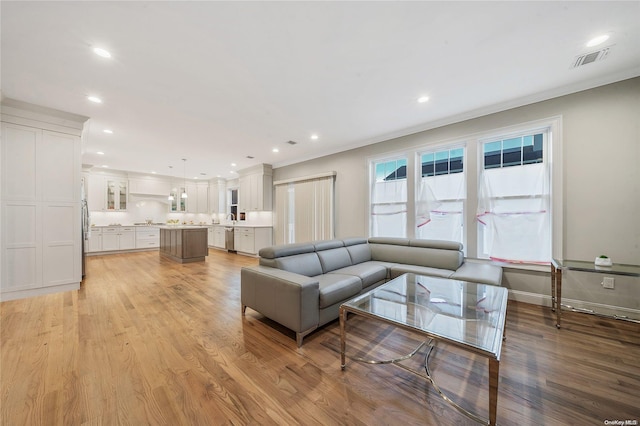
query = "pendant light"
x=170 y=197
x=184 y=189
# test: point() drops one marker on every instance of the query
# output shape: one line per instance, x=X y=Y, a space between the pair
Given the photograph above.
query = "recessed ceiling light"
x=314 y=137
x=423 y=99
x=108 y=131
x=233 y=164
x=100 y=153
x=152 y=172
x=598 y=40
x=101 y=52
x=275 y=150
x=105 y=166
x=95 y=99
x=195 y=177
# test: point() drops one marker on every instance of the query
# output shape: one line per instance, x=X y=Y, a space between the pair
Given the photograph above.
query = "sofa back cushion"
x=299 y=258
x=358 y=250
x=334 y=259
x=305 y=264
x=430 y=253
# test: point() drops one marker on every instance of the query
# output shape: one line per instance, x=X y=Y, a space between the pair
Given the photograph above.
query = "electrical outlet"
x=607 y=282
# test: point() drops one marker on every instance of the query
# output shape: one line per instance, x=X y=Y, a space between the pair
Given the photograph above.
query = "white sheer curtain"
x=389 y=208
x=439 y=207
x=513 y=209
x=305 y=210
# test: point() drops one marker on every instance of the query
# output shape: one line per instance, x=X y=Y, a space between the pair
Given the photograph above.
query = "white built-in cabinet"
x=197 y=197
x=251 y=239
x=217 y=196
x=41 y=213
x=107 y=193
x=118 y=238
x=256 y=188
x=218 y=241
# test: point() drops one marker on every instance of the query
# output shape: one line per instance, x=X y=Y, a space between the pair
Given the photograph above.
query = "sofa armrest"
x=483 y=273
x=286 y=297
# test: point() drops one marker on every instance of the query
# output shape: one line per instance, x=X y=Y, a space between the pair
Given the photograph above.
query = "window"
x=440 y=196
x=510 y=218
x=232 y=207
x=513 y=200
x=389 y=198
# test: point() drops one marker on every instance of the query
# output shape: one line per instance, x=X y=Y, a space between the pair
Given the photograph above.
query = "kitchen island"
x=184 y=243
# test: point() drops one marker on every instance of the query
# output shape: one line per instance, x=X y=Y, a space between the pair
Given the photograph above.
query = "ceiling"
x=216 y=82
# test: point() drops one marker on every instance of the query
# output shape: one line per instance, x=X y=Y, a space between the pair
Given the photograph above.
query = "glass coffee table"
x=468 y=315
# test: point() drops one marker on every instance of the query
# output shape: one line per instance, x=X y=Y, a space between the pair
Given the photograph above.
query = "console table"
x=557 y=266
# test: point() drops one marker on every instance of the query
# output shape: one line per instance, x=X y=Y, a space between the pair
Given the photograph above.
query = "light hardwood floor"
x=149 y=341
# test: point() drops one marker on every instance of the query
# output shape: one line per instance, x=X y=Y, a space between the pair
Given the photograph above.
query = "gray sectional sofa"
x=302 y=286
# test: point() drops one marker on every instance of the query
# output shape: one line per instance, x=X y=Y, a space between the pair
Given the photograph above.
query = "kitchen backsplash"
x=156 y=211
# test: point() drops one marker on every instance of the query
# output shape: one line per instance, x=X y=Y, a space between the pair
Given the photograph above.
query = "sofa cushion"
x=369 y=272
x=333 y=259
x=359 y=253
x=335 y=288
x=479 y=273
x=305 y=264
x=420 y=256
x=400 y=269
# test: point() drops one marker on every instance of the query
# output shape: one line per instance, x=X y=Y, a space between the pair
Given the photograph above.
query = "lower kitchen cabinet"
x=217 y=239
x=250 y=240
x=94 y=243
x=118 y=238
x=147 y=237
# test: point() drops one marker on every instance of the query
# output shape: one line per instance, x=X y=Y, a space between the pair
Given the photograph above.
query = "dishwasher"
x=228 y=238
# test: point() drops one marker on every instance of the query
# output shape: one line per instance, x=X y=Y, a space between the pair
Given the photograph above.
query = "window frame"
x=472 y=170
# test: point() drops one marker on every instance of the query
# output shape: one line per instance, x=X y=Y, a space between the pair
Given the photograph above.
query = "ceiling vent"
x=590 y=57
x=250 y=157
x=292 y=142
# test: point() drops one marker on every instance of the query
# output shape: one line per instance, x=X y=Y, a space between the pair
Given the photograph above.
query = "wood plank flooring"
x=149 y=341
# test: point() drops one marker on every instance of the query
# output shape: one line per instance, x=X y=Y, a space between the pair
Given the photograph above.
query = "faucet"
x=233 y=218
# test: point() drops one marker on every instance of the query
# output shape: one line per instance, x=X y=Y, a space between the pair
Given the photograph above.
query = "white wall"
x=601 y=162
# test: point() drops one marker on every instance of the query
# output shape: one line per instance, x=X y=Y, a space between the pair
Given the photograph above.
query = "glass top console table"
x=557 y=266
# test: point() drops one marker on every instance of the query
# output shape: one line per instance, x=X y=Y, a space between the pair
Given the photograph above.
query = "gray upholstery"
x=302 y=286
x=334 y=258
x=336 y=288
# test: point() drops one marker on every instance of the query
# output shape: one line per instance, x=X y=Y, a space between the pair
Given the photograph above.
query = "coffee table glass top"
x=469 y=314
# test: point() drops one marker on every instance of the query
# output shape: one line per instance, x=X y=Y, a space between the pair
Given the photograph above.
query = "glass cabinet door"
x=122 y=196
x=116 y=195
x=111 y=195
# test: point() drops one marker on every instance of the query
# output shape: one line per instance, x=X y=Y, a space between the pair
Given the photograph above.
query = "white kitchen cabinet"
x=117 y=194
x=149 y=186
x=96 y=190
x=256 y=187
x=178 y=204
x=197 y=197
x=40 y=200
x=250 y=240
x=95 y=240
x=217 y=196
x=118 y=238
x=219 y=237
x=147 y=237
x=210 y=236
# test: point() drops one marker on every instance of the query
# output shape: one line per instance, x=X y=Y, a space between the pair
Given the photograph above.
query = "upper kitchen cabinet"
x=217 y=196
x=40 y=197
x=256 y=188
x=107 y=193
x=117 y=194
x=198 y=197
x=178 y=204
